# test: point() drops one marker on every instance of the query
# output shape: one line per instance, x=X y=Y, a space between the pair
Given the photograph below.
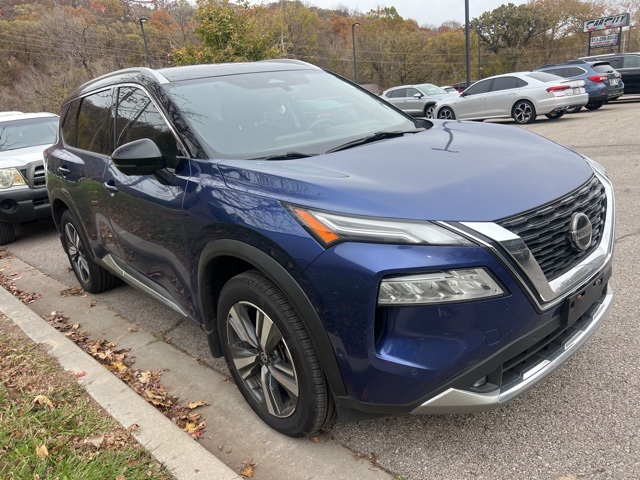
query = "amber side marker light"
x=319 y=228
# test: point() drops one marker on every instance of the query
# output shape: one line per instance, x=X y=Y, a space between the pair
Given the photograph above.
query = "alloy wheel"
x=262 y=358
x=76 y=252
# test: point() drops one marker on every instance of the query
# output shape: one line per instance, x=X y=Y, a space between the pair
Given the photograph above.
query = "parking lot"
x=582 y=421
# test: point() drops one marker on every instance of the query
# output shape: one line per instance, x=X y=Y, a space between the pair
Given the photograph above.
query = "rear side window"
x=399 y=93
x=505 y=83
x=616 y=62
x=560 y=71
x=575 y=71
x=70 y=124
x=95 y=133
x=137 y=117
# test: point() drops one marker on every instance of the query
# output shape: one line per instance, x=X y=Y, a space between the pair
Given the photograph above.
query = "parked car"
x=627 y=64
x=416 y=100
x=601 y=86
x=450 y=89
x=521 y=95
x=340 y=254
x=23 y=196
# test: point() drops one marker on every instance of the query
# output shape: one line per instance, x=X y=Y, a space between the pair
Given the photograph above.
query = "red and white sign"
x=604 y=40
x=605 y=23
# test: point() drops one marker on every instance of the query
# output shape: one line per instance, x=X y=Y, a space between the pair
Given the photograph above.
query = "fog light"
x=439 y=287
x=480 y=382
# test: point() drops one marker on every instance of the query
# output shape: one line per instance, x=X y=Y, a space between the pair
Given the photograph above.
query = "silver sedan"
x=521 y=96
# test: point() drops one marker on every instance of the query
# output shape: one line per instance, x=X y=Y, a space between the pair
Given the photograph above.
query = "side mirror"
x=140 y=157
x=418 y=95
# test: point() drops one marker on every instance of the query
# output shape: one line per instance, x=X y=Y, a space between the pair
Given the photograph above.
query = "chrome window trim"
x=547 y=294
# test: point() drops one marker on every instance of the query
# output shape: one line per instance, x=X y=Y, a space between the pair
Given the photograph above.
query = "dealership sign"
x=604 y=41
x=605 y=23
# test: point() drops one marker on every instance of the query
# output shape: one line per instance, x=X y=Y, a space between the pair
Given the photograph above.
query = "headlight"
x=439 y=287
x=329 y=228
x=11 y=177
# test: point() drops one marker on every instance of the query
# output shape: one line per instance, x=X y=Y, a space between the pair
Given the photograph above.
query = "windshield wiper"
x=286 y=156
x=374 y=138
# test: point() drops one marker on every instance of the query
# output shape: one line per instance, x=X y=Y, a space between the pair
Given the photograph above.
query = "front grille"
x=34 y=174
x=38 y=176
x=546 y=230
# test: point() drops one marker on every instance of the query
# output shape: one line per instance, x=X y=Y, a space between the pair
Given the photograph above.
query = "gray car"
x=416 y=100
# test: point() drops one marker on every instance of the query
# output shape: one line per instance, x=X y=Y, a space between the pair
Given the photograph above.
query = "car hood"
x=21 y=156
x=457 y=171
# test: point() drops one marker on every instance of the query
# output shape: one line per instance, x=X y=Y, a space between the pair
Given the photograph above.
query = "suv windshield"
x=273 y=113
x=27 y=133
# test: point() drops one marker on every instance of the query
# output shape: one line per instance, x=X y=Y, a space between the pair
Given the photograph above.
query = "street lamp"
x=142 y=21
x=466 y=35
x=353 y=39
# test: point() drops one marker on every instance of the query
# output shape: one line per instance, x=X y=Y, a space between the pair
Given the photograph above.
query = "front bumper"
x=24 y=204
x=545 y=360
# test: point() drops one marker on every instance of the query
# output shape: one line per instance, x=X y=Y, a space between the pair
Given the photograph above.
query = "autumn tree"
x=228 y=33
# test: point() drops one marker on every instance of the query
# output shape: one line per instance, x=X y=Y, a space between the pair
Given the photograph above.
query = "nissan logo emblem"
x=581 y=231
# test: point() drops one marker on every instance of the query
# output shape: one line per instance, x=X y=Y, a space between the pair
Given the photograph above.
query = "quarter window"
x=94 y=123
x=70 y=124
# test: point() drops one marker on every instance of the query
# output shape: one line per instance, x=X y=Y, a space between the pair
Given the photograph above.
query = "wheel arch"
x=223 y=259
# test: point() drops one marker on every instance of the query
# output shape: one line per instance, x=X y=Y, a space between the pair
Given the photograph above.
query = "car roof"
x=12 y=116
x=146 y=76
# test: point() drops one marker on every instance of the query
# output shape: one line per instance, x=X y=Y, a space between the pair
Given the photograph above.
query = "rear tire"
x=271 y=357
x=91 y=276
x=594 y=105
x=574 y=109
x=428 y=111
x=7 y=233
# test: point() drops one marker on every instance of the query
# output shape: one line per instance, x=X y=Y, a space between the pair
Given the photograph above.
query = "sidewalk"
x=168 y=444
x=233 y=435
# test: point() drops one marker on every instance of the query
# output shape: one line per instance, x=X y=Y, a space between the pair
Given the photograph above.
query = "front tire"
x=446 y=113
x=554 y=115
x=523 y=112
x=7 y=233
x=271 y=357
x=91 y=276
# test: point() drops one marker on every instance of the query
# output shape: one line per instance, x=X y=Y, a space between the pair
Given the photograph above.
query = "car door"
x=414 y=102
x=86 y=128
x=501 y=97
x=146 y=210
x=472 y=102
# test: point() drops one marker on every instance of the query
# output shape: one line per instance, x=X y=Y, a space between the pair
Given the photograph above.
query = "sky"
x=425 y=12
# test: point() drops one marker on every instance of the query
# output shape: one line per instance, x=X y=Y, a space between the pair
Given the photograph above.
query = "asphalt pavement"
x=581 y=422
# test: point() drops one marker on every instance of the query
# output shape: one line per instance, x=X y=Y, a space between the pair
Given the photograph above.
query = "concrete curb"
x=169 y=445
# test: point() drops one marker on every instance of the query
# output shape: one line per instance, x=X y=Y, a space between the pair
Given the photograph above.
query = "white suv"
x=23 y=193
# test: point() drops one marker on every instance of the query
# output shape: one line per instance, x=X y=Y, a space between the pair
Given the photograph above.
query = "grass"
x=50 y=428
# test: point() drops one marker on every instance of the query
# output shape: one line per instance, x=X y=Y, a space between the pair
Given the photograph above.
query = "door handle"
x=64 y=171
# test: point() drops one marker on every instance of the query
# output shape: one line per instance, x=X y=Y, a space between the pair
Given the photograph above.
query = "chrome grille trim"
x=545 y=293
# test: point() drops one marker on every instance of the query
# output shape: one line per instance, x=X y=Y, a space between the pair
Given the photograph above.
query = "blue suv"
x=342 y=255
x=602 y=84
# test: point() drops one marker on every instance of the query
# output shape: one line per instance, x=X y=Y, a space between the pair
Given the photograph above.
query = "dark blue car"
x=343 y=256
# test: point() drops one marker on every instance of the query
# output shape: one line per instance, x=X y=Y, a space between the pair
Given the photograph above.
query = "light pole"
x=142 y=20
x=478 y=31
x=466 y=34
x=353 y=40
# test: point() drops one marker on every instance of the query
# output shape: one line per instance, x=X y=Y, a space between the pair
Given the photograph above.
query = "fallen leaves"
x=43 y=400
x=9 y=285
x=42 y=452
x=146 y=383
x=248 y=468
x=73 y=291
x=94 y=440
